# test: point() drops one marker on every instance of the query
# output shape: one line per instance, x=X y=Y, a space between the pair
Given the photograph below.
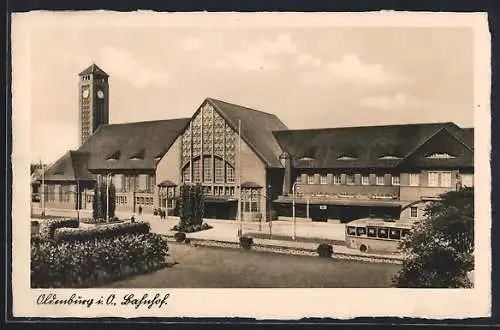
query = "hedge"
x=104 y=231
x=48 y=227
x=87 y=263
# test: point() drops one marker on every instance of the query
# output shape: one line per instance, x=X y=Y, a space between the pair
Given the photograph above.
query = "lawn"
x=205 y=267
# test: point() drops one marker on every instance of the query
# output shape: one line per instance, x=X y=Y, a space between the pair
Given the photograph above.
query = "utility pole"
x=240 y=204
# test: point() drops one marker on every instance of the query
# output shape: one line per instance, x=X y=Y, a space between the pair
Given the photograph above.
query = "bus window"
x=372 y=232
x=351 y=231
x=395 y=233
x=383 y=233
x=405 y=232
x=361 y=231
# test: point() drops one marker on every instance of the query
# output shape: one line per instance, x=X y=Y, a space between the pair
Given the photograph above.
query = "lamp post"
x=294 y=187
x=43 y=188
x=108 y=175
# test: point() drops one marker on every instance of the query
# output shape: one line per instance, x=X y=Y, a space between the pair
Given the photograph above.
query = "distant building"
x=331 y=174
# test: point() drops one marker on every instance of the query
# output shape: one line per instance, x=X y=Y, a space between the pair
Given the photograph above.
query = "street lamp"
x=294 y=187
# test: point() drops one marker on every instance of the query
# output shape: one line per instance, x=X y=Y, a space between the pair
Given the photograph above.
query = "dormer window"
x=390 y=157
x=346 y=157
x=114 y=156
x=440 y=155
x=138 y=155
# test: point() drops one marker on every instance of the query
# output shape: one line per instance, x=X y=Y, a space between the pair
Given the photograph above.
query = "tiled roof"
x=94 y=69
x=370 y=146
x=256 y=129
x=131 y=145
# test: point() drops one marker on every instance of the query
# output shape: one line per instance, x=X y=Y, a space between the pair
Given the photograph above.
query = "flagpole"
x=240 y=204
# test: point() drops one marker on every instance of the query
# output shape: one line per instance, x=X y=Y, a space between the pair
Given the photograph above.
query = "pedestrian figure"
x=140 y=210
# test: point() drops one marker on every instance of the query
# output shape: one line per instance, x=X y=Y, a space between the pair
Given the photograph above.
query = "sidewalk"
x=226 y=231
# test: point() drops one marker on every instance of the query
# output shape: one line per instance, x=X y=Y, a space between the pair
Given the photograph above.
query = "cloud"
x=308 y=60
x=260 y=55
x=120 y=62
x=397 y=102
x=191 y=44
x=348 y=69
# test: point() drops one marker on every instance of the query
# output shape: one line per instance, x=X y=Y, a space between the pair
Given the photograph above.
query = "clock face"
x=85 y=93
x=100 y=94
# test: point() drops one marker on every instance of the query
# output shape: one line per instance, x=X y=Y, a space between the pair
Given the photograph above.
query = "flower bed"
x=92 y=221
x=48 y=227
x=104 y=231
x=192 y=228
x=86 y=263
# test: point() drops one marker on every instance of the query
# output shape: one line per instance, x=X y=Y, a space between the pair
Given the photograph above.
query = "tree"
x=112 y=201
x=440 y=250
x=191 y=206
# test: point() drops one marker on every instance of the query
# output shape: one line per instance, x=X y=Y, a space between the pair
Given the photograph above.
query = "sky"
x=310 y=77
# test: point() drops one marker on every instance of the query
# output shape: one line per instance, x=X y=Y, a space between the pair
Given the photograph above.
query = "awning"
x=250 y=184
x=341 y=202
x=167 y=183
x=219 y=199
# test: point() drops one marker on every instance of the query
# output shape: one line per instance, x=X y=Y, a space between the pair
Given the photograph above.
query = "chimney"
x=286 y=161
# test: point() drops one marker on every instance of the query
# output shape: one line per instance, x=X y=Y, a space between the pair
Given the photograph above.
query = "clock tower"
x=93 y=100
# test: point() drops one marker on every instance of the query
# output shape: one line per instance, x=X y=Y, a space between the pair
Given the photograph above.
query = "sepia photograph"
x=326 y=159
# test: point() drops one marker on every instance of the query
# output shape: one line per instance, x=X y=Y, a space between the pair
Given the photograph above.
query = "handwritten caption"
x=159 y=300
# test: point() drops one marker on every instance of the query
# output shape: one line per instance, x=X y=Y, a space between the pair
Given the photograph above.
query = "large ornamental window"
x=250 y=199
x=208 y=149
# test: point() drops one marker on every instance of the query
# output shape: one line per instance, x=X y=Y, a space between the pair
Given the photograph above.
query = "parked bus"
x=376 y=234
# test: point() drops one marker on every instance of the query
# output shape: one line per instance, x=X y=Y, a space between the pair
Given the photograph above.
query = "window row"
x=121 y=200
x=378 y=232
x=139 y=183
x=144 y=201
x=213 y=171
x=350 y=179
x=218 y=190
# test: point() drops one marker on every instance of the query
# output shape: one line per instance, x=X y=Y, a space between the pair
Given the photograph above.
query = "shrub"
x=179 y=237
x=325 y=250
x=48 y=227
x=104 y=231
x=187 y=240
x=246 y=242
x=86 y=263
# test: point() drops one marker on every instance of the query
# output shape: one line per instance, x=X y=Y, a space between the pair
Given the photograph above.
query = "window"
x=350 y=179
x=196 y=170
x=219 y=170
x=170 y=203
x=413 y=212
x=372 y=232
x=142 y=182
x=433 y=179
x=323 y=179
x=380 y=180
x=405 y=233
x=361 y=231
x=395 y=233
x=414 y=179
x=467 y=180
x=446 y=179
x=207 y=169
x=337 y=179
x=395 y=180
x=229 y=174
x=365 y=180
x=351 y=231
x=439 y=179
x=383 y=232
x=310 y=179
x=152 y=183
x=186 y=174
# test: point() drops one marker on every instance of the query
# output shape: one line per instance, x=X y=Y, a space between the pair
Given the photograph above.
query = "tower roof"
x=93 y=69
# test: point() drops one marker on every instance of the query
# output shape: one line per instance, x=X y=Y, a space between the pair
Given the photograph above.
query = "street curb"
x=289 y=250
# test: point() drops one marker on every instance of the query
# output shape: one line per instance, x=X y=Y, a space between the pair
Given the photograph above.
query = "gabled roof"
x=369 y=146
x=71 y=166
x=256 y=129
x=93 y=69
x=131 y=145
